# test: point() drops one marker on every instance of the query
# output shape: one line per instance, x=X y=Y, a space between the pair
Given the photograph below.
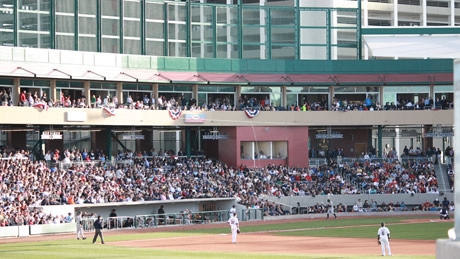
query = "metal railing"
x=171 y=219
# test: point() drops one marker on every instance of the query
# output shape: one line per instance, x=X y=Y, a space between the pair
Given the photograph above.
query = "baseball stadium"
x=166 y=126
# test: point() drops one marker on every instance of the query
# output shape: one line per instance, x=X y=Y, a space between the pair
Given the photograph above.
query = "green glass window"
x=6 y=82
x=7 y=23
x=69 y=84
x=65 y=6
x=28 y=82
x=104 y=86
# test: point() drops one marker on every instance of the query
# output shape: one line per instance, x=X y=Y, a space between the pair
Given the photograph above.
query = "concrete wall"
x=124 y=117
x=350 y=200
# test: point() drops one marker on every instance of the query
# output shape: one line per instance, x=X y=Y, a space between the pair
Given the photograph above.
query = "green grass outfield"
x=68 y=247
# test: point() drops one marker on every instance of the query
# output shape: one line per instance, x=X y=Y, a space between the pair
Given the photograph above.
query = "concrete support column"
x=87 y=93
x=53 y=90
x=16 y=91
x=195 y=93
x=284 y=97
x=395 y=13
x=120 y=92
x=238 y=95
x=155 y=95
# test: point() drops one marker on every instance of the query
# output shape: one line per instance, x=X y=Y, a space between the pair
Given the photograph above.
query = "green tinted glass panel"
x=27 y=82
x=131 y=46
x=104 y=86
x=260 y=89
x=65 y=24
x=307 y=89
x=129 y=87
x=283 y=52
x=110 y=27
x=313 y=18
x=6 y=81
x=251 y=16
x=444 y=88
x=213 y=89
x=154 y=10
x=110 y=7
x=177 y=31
x=145 y=87
x=182 y=88
x=87 y=25
x=154 y=48
x=70 y=84
x=282 y=17
x=132 y=9
x=6 y=38
x=65 y=6
x=176 y=12
x=202 y=14
x=227 y=15
x=165 y=88
x=154 y=30
x=87 y=7
x=132 y=28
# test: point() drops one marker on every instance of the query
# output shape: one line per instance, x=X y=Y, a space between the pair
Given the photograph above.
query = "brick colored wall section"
x=297 y=138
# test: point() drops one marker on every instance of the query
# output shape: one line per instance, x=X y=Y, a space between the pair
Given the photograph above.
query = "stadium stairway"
x=442 y=178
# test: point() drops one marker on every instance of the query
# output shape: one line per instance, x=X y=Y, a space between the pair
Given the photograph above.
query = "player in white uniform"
x=79 y=222
x=234 y=227
x=383 y=238
x=232 y=211
x=330 y=208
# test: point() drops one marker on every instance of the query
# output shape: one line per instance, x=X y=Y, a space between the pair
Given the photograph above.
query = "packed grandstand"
x=77 y=177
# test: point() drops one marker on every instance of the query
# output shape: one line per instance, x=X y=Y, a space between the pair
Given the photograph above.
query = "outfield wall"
x=350 y=200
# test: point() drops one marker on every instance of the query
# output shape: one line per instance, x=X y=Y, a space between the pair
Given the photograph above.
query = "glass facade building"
x=265 y=29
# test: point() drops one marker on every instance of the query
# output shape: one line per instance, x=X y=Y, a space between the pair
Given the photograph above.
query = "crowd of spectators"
x=220 y=103
x=76 y=177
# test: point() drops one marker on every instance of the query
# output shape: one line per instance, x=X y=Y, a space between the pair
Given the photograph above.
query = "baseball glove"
x=238 y=231
x=378 y=242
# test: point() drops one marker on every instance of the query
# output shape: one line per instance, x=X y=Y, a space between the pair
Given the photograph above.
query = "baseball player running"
x=383 y=239
x=234 y=227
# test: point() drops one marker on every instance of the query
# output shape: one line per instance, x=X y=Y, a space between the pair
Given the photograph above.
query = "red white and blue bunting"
x=175 y=113
x=252 y=113
x=41 y=105
x=109 y=111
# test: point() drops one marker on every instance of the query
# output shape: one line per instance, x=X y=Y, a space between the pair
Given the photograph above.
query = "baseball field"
x=412 y=236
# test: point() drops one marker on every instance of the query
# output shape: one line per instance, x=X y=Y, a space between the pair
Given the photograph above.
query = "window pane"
x=177 y=31
x=132 y=28
x=154 y=30
x=132 y=46
x=154 y=11
x=110 y=27
x=65 y=6
x=34 y=21
x=110 y=8
x=154 y=48
x=87 y=25
x=6 y=38
x=87 y=7
x=110 y=45
x=132 y=9
x=87 y=43
x=65 y=42
x=65 y=23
